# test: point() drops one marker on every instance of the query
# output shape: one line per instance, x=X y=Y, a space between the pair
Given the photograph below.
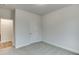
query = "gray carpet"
x=39 y=48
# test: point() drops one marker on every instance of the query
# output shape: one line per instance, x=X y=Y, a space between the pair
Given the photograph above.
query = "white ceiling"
x=40 y=9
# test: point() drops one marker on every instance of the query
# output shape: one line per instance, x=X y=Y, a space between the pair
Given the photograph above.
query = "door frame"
x=13 y=41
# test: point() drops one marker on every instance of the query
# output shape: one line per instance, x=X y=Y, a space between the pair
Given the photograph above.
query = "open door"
x=6 y=28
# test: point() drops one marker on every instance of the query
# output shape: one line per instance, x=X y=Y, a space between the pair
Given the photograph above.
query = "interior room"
x=6 y=33
x=39 y=29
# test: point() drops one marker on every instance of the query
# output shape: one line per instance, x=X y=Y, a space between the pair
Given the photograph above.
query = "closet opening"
x=6 y=33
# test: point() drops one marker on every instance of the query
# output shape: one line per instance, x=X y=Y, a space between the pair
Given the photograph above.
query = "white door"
x=34 y=33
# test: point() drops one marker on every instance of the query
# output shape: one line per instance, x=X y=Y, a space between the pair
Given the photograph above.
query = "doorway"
x=6 y=33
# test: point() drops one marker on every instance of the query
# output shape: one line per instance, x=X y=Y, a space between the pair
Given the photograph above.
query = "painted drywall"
x=27 y=28
x=6 y=30
x=61 y=28
x=5 y=13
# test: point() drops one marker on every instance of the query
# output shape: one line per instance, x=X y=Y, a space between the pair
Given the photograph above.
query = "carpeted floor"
x=39 y=48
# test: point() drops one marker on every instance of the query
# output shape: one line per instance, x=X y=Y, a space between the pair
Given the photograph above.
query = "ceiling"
x=40 y=9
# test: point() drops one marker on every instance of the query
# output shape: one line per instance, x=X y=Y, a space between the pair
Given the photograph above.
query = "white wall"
x=61 y=28
x=5 y=13
x=27 y=28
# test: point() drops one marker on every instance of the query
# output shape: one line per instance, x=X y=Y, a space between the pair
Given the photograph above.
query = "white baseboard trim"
x=26 y=44
x=60 y=46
